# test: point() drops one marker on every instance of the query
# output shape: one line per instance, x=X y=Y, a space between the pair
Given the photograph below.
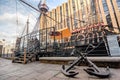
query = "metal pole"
x=24 y=56
x=45 y=25
x=54 y=44
x=40 y=34
x=27 y=32
x=54 y=33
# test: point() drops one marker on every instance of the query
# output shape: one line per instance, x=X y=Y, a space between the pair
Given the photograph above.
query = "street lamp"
x=3 y=50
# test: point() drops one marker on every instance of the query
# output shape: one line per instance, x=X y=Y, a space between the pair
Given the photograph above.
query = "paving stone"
x=60 y=75
x=55 y=78
x=3 y=77
x=12 y=78
x=31 y=76
x=41 y=71
x=47 y=75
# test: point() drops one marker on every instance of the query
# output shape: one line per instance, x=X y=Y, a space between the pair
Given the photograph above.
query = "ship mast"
x=27 y=31
x=43 y=9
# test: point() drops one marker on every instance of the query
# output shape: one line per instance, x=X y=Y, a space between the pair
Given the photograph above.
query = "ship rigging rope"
x=61 y=15
x=16 y=16
x=69 y=17
x=36 y=27
x=65 y=16
x=94 y=47
x=24 y=30
x=16 y=13
x=36 y=19
x=44 y=14
x=73 y=18
x=27 y=8
x=79 y=21
x=75 y=24
x=53 y=19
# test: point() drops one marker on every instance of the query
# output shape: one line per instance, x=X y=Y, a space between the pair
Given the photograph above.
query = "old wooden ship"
x=49 y=41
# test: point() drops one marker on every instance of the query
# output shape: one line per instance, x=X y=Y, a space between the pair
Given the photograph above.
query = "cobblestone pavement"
x=41 y=71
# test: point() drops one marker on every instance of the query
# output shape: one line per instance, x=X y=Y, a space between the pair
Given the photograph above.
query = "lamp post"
x=3 y=50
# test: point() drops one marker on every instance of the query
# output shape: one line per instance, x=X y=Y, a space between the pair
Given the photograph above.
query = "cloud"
x=8 y=18
x=54 y=3
x=9 y=38
x=8 y=28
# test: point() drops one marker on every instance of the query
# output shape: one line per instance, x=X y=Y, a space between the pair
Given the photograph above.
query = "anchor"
x=92 y=68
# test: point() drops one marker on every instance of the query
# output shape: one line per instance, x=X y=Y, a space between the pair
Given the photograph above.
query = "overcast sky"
x=8 y=17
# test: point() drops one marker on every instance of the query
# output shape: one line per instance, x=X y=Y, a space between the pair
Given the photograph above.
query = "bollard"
x=13 y=56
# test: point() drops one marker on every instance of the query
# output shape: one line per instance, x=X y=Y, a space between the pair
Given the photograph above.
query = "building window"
x=108 y=18
x=50 y=20
x=55 y=19
x=118 y=2
x=114 y=12
x=105 y=8
x=118 y=39
x=61 y=16
x=82 y=11
x=94 y=11
x=74 y=14
x=93 y=7
x=100 y=13
x=67 y=19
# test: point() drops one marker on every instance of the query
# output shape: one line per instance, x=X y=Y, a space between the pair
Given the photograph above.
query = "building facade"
x=6 y=48
x=1 y=47
x=76 y=14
